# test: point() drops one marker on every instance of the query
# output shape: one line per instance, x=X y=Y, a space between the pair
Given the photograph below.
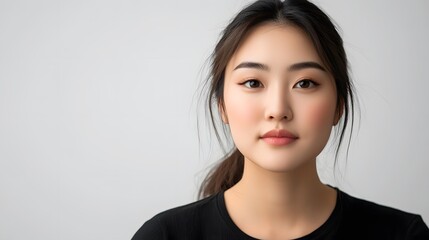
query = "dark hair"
x=328 y=44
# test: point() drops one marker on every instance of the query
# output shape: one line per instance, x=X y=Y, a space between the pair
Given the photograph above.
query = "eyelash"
x=250 y=80
x=315 y=84
x=294 y=86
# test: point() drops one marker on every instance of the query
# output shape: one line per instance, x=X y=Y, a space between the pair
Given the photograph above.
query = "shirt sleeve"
x=152 y=229
x=418 y=230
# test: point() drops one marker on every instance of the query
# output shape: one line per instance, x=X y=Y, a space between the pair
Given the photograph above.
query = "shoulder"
x=373 y=219
x=178 y=220
x=364 y=208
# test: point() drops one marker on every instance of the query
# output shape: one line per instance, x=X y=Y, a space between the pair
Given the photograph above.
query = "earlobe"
x=222 y=113
x=224 y=118
x=338 y=114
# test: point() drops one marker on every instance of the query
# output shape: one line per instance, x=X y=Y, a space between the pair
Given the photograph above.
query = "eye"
x=306 y=83
x=253 y=83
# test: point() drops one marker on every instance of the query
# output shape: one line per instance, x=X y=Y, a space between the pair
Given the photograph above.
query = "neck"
x=291 y=188
x=296 y=199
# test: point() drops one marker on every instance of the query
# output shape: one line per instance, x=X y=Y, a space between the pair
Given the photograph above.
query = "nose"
x=278 y=106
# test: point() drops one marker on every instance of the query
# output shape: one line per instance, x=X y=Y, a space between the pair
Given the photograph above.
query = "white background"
x=98 y=121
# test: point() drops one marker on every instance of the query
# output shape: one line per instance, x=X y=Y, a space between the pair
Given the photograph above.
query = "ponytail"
x=224 y=175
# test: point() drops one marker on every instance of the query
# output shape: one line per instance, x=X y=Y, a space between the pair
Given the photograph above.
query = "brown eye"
x=306 y=83
x=252 y=83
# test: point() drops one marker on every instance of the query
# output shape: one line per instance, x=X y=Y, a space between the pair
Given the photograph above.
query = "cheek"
x=243 y=115
x=240 y=110
x=320 y=114
x=240 y=115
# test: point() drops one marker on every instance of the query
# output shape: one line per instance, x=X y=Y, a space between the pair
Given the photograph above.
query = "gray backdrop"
x=98 y=119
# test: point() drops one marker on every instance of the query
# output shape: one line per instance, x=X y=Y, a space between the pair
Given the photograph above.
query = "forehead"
x=275 y=44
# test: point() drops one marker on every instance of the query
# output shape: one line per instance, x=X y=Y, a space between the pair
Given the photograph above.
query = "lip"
x=279 y=137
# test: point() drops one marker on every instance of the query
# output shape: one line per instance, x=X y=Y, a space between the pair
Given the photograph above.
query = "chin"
x=280 y=165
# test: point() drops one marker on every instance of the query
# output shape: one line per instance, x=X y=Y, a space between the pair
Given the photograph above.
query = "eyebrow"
x=293 y=67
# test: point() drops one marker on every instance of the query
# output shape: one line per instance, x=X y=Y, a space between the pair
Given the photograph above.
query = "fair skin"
x=276 y=80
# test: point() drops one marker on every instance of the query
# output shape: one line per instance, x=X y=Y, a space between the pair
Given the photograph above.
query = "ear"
x=339 y=113
x=222 y=113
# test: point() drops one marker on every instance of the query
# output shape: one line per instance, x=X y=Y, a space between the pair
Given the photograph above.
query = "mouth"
x=279 y=137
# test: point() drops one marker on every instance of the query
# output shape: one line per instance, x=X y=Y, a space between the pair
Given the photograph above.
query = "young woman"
x=279 y=80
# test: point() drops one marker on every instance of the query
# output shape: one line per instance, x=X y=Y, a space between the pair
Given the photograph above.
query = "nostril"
x=284 y=117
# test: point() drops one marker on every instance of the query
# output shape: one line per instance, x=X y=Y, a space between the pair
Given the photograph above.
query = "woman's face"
x=276 y=81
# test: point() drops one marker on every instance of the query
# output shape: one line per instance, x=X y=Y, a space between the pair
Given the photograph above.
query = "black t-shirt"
x=352 y=218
